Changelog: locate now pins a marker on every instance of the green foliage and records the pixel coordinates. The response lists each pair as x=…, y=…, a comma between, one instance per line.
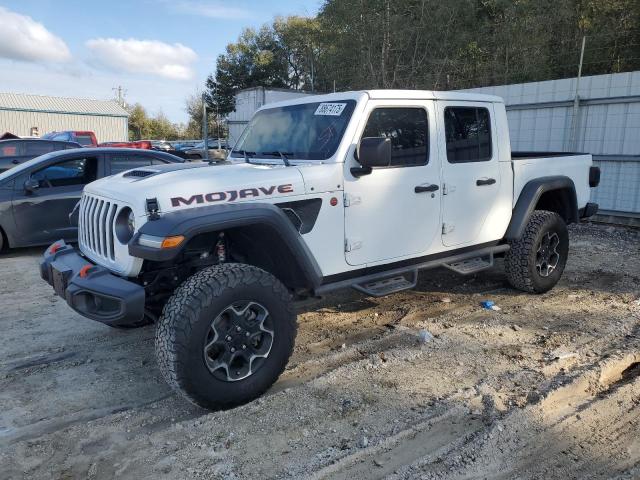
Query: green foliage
x=280, y=55
x=158, y=127
x=430, y=44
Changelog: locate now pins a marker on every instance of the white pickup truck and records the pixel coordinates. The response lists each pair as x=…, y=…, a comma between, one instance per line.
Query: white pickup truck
x=353, y=189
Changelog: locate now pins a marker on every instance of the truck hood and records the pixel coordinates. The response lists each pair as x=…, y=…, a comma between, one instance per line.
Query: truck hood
x=190, y=185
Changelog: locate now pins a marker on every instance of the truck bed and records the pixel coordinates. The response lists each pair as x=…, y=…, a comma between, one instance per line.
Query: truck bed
x=532, y=165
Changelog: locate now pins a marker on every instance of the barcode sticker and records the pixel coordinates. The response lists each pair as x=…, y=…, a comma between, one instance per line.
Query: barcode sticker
x=333, y=109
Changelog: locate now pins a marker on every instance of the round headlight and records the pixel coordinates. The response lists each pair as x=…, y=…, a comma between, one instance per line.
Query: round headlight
x=125, y=225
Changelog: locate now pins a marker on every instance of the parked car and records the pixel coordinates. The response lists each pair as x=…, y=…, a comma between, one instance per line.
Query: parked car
x=185, y=145
x=217, y=151
x=37, y=196
x=161, y=145
x=14, y=152
x=85, y=138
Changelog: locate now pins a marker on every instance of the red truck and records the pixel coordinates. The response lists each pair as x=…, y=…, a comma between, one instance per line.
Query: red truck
x=143, y=144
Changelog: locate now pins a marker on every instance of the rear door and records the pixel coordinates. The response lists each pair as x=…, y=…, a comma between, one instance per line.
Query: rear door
x=394, y=211
x=470, y=169
x=42, y=216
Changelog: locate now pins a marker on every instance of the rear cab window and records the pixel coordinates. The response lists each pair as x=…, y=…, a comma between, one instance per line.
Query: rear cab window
x=468, y=134
x=408, y=130
x=84, y=140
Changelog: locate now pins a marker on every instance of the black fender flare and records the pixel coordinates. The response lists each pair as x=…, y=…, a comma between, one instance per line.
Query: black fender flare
x=528, y=200
x=215, y=218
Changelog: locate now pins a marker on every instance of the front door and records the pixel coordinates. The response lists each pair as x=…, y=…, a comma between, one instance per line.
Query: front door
x=470, y=169
x=42, y=214
x=394, y=212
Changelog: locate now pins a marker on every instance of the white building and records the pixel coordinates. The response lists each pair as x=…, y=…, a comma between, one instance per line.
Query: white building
x=28, y=115
x=250, y=100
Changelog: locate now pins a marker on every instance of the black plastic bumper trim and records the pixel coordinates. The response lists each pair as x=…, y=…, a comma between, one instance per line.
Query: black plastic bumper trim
x=99, y=295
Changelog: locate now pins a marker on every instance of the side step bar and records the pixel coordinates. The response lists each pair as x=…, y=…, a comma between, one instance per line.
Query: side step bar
x=394, y=280
x=389, y=285
x=471, y=265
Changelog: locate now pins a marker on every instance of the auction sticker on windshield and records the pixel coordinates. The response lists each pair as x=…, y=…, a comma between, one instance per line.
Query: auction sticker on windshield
x=333, y=109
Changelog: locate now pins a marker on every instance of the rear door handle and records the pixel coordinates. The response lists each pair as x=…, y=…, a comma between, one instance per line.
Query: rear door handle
x=485, y=181
x=426, y=188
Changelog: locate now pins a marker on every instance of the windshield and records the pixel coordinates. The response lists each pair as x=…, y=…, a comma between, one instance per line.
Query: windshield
x=309, y=131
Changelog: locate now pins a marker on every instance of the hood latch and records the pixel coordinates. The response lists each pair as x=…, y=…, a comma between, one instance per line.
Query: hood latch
x=152, y=208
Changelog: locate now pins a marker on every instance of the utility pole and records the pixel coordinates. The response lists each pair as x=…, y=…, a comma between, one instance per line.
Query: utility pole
x=205, y=127
x=120, y=93
x=573, y=141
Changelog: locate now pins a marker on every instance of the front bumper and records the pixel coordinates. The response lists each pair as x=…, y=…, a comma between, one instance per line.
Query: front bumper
x=90, y=289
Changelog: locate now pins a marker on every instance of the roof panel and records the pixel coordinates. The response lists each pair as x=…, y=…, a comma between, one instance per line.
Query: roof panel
x=41, y=103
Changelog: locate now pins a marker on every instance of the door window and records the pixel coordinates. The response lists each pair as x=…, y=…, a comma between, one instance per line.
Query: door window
x=39, y=147
x=408, y=130
x=468, y=134
x=122, y=163
x=77, y=171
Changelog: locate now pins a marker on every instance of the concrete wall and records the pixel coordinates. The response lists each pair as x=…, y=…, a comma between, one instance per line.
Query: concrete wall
x=608, y=126
x=106, y=128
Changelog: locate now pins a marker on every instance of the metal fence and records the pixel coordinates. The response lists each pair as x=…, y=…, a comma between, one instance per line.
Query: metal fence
x=541, y=117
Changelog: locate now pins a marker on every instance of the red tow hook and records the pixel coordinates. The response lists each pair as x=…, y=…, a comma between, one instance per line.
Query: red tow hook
x=84, y=271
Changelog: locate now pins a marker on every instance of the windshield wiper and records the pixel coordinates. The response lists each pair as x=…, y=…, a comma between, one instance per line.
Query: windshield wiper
x=245, y=154
x=282, y=155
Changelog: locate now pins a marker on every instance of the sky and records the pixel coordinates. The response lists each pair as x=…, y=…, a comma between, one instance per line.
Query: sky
x=159, y=51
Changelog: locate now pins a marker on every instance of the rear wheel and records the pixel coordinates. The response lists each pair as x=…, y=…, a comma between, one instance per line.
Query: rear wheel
x=226, y=335
x=536, y=261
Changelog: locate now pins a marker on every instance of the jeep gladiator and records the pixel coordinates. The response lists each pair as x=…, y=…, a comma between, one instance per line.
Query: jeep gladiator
x=353, y=189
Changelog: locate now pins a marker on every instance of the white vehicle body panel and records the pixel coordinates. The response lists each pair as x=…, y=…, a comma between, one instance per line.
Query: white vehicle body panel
x=385, y=215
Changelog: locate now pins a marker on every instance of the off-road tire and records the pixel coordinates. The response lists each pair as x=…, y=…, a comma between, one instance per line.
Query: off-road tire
x=186, y=320
x=520, y=260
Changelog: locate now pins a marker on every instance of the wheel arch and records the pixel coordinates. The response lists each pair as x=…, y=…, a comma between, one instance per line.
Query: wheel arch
x=261, y=232
x=556, y=194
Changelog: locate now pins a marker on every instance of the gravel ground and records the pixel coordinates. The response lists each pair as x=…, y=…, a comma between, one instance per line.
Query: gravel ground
x=547, y=387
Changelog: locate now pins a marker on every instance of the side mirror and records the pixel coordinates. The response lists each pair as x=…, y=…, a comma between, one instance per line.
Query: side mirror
x=374, y=152
x=31, y=185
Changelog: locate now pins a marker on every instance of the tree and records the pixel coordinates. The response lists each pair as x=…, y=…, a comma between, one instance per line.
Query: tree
x=280, y=55
x=158, y=127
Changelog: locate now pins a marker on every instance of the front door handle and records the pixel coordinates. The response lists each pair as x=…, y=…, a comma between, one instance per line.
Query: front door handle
x=426, y=188
x=485, y=181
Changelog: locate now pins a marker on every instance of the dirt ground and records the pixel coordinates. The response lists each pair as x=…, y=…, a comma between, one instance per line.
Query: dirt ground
x=547, y=387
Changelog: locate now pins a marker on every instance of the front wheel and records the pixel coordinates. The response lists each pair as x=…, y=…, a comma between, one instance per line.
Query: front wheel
x=536, y=261
x=225, y=336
